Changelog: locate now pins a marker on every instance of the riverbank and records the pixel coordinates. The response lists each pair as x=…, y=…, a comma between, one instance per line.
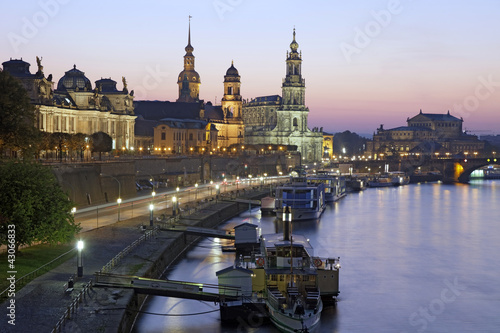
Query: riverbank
x=41, y=303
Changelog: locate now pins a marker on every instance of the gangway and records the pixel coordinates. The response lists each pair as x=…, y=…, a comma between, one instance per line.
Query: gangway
x=170, y=288
x=199, y=231
x=248, y=201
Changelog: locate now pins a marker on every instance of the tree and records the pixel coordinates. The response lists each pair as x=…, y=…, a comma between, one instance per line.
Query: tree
x=101, y=143
x=17, y=117
x=32, y=200
x=348, y=143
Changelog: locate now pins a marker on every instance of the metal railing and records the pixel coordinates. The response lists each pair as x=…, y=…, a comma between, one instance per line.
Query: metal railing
x=72, y=308
x=40, y=270
x=116, y=259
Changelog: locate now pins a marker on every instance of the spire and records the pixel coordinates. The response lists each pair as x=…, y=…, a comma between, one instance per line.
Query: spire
x=189, y=49
x=189, y=31
x=294, y=45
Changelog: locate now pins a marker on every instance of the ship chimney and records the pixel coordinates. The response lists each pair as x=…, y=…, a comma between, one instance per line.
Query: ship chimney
x=287, y=220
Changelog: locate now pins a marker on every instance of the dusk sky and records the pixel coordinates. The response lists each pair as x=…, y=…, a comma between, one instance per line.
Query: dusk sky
x=365, y=63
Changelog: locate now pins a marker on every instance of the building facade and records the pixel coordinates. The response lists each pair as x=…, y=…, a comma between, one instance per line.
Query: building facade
x=75, y=107
x=174, y=136
x=226, y=119
x=283, y=120
x=426, y=133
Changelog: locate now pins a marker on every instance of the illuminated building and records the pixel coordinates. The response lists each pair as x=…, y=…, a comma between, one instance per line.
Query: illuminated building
x=282, y=120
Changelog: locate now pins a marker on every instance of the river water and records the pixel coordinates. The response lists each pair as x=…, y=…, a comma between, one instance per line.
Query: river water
x=416, y=258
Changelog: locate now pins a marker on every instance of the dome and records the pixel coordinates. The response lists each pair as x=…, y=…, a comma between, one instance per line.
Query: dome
x=232, y=71
x=192, y=76
x=74, y=79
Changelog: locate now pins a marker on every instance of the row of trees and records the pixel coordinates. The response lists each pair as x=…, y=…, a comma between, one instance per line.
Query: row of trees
x=73, y=144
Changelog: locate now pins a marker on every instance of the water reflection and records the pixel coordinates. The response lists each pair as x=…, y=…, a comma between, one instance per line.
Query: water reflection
x=418, y=258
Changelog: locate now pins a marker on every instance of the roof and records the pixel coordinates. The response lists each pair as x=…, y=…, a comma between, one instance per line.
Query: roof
x=156, y=110
x=266, y=99
x=232, y=268
x=213, y=112
x=410, y=128
x=183, y=123
x=246, y=224
x=73, y=79
x=106, y=85
x=17, y=67
x=144, y=127
x=437, y=116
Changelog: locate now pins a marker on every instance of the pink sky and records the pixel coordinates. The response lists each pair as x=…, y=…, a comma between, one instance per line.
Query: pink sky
x=365, y=63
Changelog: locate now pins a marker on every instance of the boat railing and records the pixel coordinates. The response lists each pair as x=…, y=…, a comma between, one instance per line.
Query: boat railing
x=326, y=263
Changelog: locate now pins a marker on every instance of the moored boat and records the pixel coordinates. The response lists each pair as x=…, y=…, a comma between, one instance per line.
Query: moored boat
x=305, y=198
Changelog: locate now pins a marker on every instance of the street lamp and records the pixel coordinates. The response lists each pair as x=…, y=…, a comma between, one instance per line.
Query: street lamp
x=196, y=191
x=174, y=205
x=151, y=207
x=79, y=259
x=73, y=211
x=119, y=201
x=217, y=192
x=211, y=183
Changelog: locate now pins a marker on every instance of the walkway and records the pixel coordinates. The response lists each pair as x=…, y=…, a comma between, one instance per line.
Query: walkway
x=42, y=302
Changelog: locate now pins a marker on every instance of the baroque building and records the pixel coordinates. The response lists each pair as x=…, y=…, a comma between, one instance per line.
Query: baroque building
x=156, y=118
x=425, y=133
x=282, y=120
x=75, y=107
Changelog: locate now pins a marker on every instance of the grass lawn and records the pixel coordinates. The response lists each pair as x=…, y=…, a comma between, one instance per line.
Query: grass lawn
x=29, y=259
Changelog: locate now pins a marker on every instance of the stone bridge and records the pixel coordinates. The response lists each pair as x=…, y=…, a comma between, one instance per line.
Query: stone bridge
x=453, y=169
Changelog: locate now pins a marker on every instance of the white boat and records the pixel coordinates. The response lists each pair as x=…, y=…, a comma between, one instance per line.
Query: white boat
x=305, y=198
x=335, y=186
x=285, y=277
x=399, y=178
x=293, y=281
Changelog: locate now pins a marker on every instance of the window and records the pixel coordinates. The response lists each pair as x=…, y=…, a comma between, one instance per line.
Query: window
x=295, y=122
x=163, y=135
x=190, y=136
x=229, y=90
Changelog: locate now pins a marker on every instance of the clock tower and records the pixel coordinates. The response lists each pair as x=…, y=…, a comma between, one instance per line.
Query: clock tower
x=189, y=80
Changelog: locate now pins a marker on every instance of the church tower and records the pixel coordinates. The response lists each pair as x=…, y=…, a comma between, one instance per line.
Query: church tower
x=232, y=102
x=189, y=79
x=294, y=86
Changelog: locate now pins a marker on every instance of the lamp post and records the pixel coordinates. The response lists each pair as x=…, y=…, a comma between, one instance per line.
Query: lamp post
x=73, y=211
x=211, y=183
x=79, y=259
x=174, y=205
x=119, y=200
x=151, y=207
x=195, y=191
x=217, y=192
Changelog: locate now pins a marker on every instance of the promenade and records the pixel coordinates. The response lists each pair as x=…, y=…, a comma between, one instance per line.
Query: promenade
x=42, y=303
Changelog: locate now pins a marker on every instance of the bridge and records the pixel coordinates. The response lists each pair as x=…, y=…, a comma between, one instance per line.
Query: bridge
x=453, y=169
x=170, y=288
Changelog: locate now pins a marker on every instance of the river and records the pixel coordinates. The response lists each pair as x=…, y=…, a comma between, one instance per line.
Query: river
x=416, y=258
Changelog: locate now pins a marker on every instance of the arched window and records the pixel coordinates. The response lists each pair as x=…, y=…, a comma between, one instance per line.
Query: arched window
x=229, y=90
x=295, y=122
